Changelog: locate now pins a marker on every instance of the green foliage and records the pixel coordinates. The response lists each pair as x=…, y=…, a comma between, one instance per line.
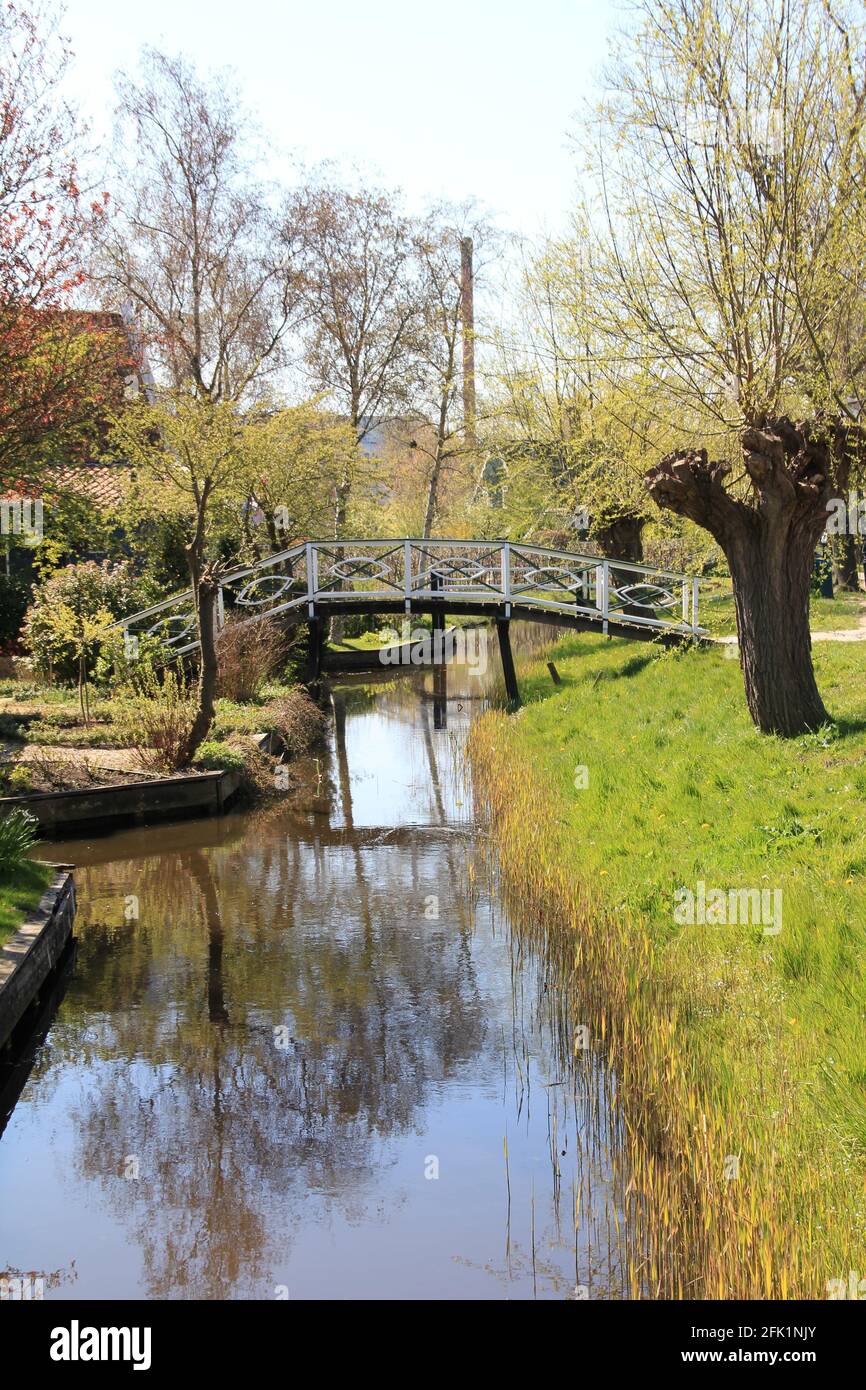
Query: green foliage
x=681, y=789
x=14, y=597
x=73, y=525
x=74, y=606
x=18, y=833
x=214, y=756
x=155, y=717
x=16, y=780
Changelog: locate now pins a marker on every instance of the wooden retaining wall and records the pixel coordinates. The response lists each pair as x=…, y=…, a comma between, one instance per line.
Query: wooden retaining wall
x=135, y=803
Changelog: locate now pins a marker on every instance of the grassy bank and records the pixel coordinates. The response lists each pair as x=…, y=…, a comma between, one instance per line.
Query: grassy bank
x=716, y=609
x=727, y=1043
x=20, y=891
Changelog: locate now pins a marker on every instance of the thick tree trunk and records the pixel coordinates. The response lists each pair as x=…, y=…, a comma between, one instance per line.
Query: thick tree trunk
x=622, y=539
x=769, y=539
x=771, y=577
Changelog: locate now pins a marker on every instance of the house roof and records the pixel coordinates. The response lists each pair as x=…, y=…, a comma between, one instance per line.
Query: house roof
x=104, y=484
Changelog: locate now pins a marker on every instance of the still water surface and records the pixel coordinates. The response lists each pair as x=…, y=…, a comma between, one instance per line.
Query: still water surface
x=302, y=1053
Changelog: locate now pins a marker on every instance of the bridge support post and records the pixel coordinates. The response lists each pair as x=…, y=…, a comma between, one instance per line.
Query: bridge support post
x=512, y=690
x=438, y=621
x=315, y=647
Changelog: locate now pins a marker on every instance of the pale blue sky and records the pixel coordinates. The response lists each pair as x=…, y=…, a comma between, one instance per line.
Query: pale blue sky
x=444, y=99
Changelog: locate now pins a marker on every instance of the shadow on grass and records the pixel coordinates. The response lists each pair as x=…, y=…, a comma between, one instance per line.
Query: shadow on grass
x=631, y=667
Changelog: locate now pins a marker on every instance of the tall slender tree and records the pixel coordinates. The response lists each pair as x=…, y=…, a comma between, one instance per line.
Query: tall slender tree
x=354, y=252
x=194, y=248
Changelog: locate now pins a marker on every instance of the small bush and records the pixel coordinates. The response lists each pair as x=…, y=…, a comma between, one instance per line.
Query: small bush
x=155, y=718
x=214, y=756
x=19, y=780
x=88, y=590
x=14, y=597
x=248, y=654
x=18, y=831
x=297, y=719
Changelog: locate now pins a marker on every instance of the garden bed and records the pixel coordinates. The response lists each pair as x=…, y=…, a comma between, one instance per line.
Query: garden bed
x=106, y=806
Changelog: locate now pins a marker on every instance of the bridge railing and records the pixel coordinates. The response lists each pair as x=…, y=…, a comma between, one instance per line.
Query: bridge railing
x=502, y=574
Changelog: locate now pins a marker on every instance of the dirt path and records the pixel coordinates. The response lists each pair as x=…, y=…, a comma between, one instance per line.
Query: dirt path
x=842, y=634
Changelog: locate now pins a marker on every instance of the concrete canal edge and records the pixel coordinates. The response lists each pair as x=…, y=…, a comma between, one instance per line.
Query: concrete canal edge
x=28, y=957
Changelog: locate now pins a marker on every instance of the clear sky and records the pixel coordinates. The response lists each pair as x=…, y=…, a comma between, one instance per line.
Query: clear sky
x=443, y=99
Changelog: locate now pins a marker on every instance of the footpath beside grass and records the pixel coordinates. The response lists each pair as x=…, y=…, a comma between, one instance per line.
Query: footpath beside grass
x=20, y=891
x=727, y=1043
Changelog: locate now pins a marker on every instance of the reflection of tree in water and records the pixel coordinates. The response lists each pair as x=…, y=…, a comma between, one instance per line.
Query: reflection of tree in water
x=380, y=1006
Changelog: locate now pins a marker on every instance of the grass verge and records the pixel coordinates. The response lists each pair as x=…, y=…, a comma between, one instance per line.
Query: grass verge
x=20, y=891
x=716, y=609
x=726, y=1043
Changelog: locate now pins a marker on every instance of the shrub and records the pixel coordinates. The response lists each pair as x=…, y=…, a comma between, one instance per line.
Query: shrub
x=297, y=719
x=87, y=590
x=14, y=597
x=18, y=831
x=155, y=717
x=215, y=756
x=17, y=780
x=248, y=655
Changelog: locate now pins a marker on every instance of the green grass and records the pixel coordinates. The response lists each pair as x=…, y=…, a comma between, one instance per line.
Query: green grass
x=20, y=891
x=51, y=718
x=716, y=609
x=681, y=788
x=367, y=642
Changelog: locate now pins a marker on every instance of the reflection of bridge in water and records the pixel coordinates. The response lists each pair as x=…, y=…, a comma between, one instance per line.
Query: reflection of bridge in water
x=500, y=580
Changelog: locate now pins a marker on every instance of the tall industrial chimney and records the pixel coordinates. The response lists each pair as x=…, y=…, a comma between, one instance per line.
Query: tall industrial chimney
x=467, y=303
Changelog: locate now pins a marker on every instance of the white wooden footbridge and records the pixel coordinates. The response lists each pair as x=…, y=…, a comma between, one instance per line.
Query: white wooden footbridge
x=502, y=580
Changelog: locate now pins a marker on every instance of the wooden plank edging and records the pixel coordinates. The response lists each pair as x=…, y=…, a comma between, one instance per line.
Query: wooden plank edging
x=202, y=792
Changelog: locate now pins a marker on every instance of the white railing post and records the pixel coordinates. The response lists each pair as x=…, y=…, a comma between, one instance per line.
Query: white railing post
x=407, y=574
x=694, y=606
x=506, y=577
x=221, y=610
x=602, y=584
x=312, y=583
x=687, y=600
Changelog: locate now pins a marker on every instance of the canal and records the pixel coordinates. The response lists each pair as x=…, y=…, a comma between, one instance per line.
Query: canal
x=302, y=1052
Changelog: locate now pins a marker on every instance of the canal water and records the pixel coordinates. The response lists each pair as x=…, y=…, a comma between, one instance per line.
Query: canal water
x=302, y=1053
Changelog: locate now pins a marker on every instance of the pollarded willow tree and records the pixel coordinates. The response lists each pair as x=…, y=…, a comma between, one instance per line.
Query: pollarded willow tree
x=730, y=173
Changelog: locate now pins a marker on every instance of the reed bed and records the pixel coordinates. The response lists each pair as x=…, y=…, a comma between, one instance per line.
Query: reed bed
x=739, y=1059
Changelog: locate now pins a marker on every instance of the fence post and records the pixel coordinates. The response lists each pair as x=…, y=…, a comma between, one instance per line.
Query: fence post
x=506, y=577
x=602, y=583
x=311, y=579
x=407, y=574
x=694, y=606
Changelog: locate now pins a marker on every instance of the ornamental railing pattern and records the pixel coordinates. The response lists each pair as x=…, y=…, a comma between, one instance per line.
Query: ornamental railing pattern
x=316, y=575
